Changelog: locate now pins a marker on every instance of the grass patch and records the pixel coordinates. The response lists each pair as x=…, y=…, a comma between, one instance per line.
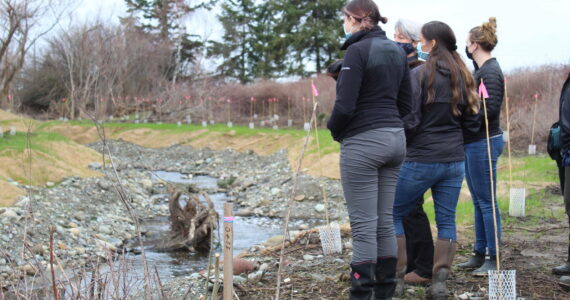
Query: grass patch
x=18, y=142
x=328, y=145
x=529, y=169
x=540, y=203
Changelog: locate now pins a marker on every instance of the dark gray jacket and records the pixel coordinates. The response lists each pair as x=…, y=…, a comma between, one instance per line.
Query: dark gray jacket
x=438, y=135
x=373, y=87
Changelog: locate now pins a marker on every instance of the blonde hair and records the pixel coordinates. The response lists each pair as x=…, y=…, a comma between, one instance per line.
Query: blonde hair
x=485, y=35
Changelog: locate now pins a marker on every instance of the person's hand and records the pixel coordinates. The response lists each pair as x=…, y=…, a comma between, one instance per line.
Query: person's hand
x=334, y=69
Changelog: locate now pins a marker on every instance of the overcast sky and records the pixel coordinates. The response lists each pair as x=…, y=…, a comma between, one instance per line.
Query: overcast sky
x=530, y=32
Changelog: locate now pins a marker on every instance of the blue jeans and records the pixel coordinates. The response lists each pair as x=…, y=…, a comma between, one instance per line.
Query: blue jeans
x=444, y=180
x=479, y=182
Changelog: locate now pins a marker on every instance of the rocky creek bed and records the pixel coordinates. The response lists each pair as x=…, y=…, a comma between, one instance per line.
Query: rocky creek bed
x=90, y=220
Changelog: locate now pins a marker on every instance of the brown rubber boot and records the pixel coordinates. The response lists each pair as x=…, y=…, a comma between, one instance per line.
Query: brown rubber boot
x=442, y=260
x=401, y=265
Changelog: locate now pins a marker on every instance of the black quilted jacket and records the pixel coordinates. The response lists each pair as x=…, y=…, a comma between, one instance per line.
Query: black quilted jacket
x=565, y=116
x=492, y=76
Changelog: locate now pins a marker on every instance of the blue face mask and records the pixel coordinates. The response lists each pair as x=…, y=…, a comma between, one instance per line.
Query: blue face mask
x=422, y=55
x=347, y=34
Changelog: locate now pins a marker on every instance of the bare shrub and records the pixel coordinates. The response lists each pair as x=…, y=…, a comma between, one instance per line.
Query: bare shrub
x=523, y=84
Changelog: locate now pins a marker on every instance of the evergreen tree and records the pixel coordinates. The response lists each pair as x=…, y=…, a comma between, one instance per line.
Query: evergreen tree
x=162, y=18
x=237, y=48
x=278, y=38
x=312, y=29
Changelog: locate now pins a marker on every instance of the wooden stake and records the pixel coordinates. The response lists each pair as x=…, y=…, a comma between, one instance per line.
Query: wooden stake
x=251, y=109
x=509, y=131
x=228, y=250
x=289, y=108
x=492, y=183
x=217, y=277
x=291, y=201
x=534, y=119
x=315, y=104
x=304, y=110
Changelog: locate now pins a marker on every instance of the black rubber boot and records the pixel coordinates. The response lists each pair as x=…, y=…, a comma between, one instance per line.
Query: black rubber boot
x=475, y=261
x=562, y=269
x=362, y=279
x=490, y=264
x=385, y=278
x=401, y=266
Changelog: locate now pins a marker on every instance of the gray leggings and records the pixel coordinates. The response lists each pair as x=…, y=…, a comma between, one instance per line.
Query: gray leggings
x=369, y=168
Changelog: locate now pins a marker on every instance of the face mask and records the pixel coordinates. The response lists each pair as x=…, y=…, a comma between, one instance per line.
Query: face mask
x=347, y=33
x=408, y=47
x=469, y=55
x=422, y=55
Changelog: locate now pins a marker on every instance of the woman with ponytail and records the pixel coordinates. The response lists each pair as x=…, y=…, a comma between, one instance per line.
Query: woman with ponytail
x=481, y=41
x=373, y=97
x=445, y=91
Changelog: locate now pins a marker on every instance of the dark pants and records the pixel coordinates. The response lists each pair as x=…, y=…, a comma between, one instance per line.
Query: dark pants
x=567, y=200
x=419, y=241
x=559, y=163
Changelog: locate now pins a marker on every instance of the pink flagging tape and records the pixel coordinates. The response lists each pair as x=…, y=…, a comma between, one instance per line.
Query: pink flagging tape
x=228, y=219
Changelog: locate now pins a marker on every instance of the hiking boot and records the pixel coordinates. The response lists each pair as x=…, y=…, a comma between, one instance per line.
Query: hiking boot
x=362, y=281
x=565, y=283
x=413, y=278
x=562, y=270
x=385, y=278
x=401, y=266
x=442, y=260
x=475, y=261
x=490, y=264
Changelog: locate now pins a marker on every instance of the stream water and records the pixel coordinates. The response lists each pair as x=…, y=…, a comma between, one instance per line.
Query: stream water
x=248, y=231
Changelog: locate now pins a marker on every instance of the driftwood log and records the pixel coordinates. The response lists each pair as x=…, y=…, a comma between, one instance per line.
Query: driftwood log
x=191, y=225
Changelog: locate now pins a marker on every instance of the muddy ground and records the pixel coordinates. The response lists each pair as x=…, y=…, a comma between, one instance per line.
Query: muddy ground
x=530, y=247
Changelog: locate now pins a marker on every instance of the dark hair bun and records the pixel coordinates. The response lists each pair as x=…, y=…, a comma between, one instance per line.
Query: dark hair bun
x=384, y=20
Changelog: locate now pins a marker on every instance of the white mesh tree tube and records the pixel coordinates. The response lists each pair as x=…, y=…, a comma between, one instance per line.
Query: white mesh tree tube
x=502, y=285
x=517, y=202
x=330, y=238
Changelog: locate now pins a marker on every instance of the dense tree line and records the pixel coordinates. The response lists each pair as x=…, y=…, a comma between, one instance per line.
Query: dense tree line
x=277, y=38
x=150, y=49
